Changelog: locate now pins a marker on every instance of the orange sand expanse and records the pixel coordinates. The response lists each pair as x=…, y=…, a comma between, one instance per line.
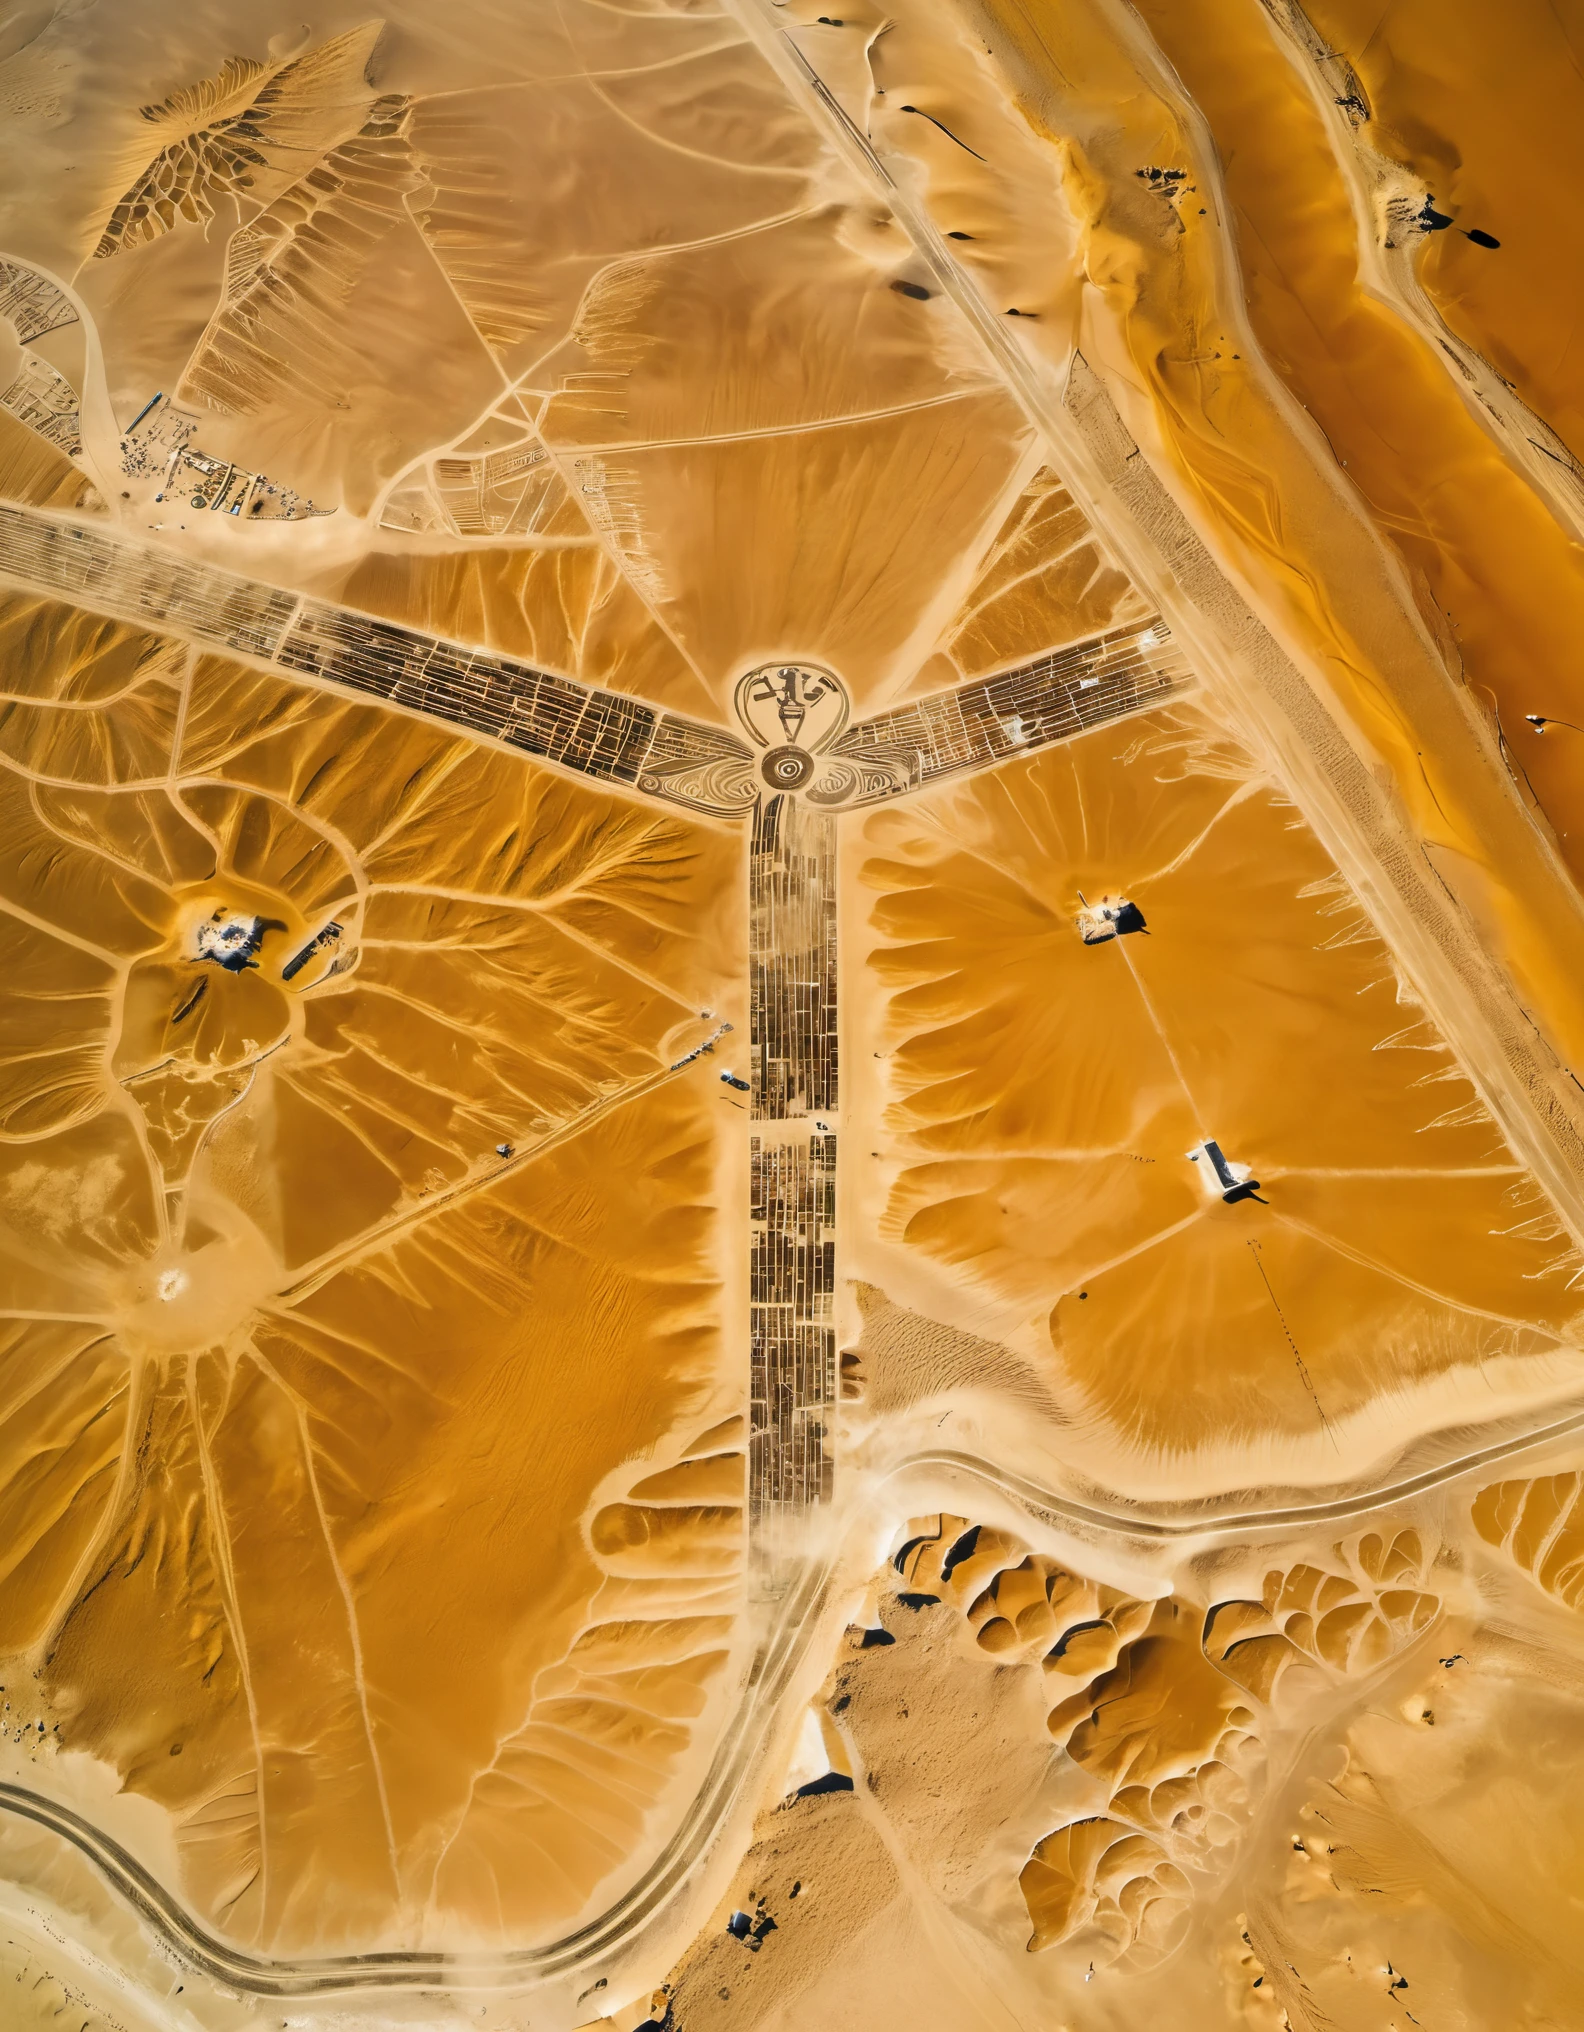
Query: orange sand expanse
x=1490, y=555
x=274, y=1259
x=1162, y=307
x=1485, y=108
x=1401, y=1244
x=392, y=1562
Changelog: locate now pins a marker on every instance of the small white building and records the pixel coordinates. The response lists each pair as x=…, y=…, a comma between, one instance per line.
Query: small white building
x=1219, y=1177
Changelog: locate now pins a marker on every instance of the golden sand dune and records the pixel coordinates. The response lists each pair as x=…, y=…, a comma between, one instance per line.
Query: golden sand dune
x=234, y=1193
x=36, y=471
x=1120, y=1859
x=567, y=605
x=303, y=257
x=1191, y=1868
x=1413, y=1881
x=1046, y=576
x=1486, y=549
x=238, y=130
x=1158, y=1714
x=1076, y=1206
x=609, y=1725
x=523, y=269
x=1534, y=1522
x=830, y=385
x=1486, y=116
x=1164, y=308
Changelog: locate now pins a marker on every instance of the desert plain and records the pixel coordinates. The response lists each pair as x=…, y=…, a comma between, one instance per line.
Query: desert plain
x=792, y=1060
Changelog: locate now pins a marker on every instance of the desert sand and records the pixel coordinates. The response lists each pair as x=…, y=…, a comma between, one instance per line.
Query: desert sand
x=791, y=1132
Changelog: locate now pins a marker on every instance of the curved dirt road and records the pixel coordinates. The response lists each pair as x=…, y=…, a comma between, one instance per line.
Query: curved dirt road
x=772, y=1668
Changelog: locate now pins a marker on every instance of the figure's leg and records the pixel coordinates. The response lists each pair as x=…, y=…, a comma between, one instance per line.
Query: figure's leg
x=792, y=905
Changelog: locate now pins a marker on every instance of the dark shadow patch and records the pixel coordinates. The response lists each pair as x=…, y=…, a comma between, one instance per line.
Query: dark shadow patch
x=832, y=1781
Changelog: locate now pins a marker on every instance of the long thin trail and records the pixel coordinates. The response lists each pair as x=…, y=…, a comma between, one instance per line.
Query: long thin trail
x=218, y=1532
x=1160, y=1032
x=1308, y=1381
x=344, y=1587
x=318, y=1273
x=770, y=1673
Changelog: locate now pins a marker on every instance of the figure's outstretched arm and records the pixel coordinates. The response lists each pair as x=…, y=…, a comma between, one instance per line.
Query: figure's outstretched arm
x=617, y=740
x=996, y=719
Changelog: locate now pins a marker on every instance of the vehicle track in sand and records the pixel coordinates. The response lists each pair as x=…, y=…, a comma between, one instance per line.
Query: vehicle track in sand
x=773, y=1668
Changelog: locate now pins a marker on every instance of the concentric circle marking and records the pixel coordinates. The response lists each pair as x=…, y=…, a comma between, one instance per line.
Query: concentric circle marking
x=787, y=768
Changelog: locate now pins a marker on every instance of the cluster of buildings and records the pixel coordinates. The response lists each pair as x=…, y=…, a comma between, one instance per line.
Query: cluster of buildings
x=39, y=395
x=157, y=445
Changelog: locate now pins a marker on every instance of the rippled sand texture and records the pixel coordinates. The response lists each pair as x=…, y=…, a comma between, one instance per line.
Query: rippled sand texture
x=1481, y=541
x=375, y=1346
x=1428, y=578
x=309, y=1390
x=1313, y=1783
x=412, y=1651
x=573, y=307
x=1031, y=1102
x=362, y=1519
